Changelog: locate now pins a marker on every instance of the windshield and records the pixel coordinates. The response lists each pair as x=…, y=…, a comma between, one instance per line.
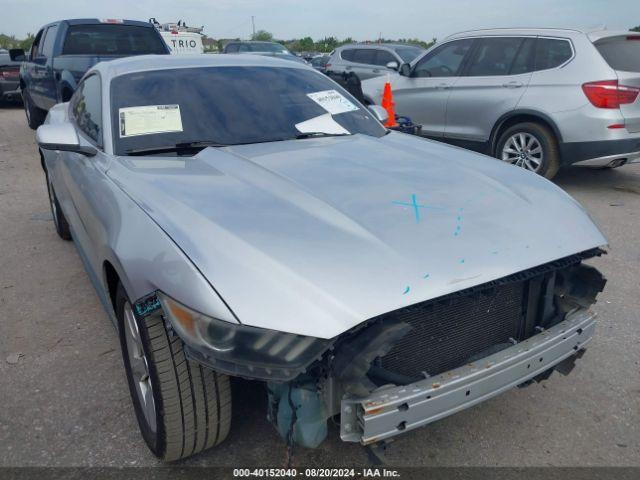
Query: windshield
x=231, y=106
x=109, y=39
x=621, y=53
x=263, y=47
x=407, y=54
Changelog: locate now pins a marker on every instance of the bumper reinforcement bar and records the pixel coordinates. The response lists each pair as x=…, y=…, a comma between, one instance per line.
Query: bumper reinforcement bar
x=390, y=411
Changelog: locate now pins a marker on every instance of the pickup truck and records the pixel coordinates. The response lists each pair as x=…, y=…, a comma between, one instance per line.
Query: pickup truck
x=64, y=50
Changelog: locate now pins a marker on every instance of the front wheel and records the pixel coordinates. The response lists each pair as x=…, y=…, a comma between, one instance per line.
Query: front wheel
x=531, y=146
x=182, y=408
x=35, y=116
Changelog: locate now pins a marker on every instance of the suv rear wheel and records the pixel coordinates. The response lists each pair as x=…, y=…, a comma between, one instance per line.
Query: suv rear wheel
x=182, y=408
x=35, y=116
x=532, y=146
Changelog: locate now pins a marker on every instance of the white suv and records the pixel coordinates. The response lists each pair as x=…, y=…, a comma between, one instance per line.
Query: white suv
x=538, y=98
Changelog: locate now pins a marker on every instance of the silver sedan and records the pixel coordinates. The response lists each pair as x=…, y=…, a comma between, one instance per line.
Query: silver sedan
x=245, y=216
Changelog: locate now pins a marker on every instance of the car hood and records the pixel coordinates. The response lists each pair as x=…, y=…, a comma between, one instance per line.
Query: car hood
x=315, y=236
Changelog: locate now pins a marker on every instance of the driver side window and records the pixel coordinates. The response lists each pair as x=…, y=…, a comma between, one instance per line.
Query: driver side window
x=444, y=61
x=86, y=108
x=35, y=47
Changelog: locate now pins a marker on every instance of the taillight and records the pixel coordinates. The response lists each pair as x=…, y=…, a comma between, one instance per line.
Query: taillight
x=608, y=94
x=12, y=74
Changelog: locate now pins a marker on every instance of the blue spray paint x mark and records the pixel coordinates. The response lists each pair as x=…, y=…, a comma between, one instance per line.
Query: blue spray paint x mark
x=406, y=290
x=456, y=232
x=426, y=275
x=416, y=206
x=462, y=260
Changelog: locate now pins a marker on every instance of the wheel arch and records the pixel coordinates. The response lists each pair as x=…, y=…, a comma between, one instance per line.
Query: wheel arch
x=111, y=280
x=66, y=92
x=521, y=116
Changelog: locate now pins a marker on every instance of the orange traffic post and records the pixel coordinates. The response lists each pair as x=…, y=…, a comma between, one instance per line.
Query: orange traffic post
x=388, y=104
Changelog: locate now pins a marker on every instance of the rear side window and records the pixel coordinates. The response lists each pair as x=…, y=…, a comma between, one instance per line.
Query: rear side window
x=86, y=108
x=233, y=48
x=494, y=56
x=621, y=53
x=523, y=62
x=551, y=53
x=347, y=54
x=109, y=39
x=365, y=55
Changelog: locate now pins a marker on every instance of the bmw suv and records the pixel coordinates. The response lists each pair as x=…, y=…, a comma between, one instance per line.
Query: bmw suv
x=537, y=98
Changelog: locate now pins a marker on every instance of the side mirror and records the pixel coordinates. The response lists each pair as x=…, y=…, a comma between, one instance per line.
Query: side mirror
x=379, y=112
x=17, y=55
x=405, y=70
x=392, y=65
x=62, y=137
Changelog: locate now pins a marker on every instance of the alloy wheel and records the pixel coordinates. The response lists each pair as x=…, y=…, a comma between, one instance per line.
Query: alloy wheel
x=523, y=150
x=139, y=367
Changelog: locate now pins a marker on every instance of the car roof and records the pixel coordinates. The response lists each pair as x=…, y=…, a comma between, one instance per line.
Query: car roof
x=378, y=45
x=97, y=21
x=144, y=63
x=552, y=32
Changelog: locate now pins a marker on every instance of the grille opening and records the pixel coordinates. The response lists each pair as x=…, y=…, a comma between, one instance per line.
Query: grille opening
x=465, y=326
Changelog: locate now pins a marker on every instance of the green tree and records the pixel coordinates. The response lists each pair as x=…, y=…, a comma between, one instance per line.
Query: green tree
x=262, y=35
x=26, y=43
x=306, y=44
x=636, y=29
x=327, y=44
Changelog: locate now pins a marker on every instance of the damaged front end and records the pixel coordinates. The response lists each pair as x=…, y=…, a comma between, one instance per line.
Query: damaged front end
x=415, y=365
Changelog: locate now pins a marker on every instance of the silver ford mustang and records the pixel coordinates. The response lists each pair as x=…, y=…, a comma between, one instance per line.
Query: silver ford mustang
x=245, y=216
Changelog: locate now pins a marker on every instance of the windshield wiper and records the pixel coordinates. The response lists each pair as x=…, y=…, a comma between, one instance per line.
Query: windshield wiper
x=178, y=147
x=320, y=134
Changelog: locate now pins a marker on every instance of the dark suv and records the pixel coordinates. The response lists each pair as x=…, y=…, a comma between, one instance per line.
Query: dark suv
x=63, y=51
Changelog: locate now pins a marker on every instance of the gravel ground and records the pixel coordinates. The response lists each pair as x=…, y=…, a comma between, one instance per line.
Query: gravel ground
x=65, y=401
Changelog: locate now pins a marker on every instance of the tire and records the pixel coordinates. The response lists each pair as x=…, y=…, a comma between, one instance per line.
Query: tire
x=35, y=116
x=59, y=220
x=188, y=407
x=546, y=162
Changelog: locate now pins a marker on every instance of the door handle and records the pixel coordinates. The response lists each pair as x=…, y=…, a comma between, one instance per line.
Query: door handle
x=376, y=70
x=348, y=68
x=513, y=84
x=443, y=86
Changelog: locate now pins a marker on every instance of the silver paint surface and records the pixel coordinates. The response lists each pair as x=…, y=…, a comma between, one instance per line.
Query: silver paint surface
x=309, y=236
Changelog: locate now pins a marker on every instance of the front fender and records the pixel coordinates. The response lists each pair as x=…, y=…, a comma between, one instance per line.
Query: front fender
x=147, y=259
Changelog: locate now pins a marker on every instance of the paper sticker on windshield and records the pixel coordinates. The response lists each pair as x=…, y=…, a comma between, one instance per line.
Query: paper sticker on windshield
x=332, y=101
x=149, y=119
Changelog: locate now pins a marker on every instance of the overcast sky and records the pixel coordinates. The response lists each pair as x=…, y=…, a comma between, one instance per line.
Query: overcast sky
x=342, y=18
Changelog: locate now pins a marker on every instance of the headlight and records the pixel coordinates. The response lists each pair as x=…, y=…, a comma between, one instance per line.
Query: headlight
x=239, y=349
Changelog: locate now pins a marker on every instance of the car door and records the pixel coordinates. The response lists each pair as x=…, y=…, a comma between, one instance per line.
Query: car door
x=423, y=95
x=83, y=175
x=491, y=84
